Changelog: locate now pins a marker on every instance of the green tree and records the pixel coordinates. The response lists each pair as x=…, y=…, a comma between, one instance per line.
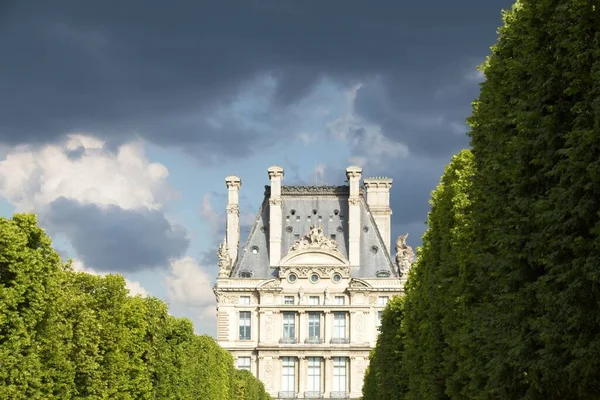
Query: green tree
x=29, y=271
x=536, y=200
x=436, y=301
x=385, y=378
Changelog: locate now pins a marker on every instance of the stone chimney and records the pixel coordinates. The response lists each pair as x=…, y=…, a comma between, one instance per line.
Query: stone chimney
x=353, y=174
x=232, y=237
x=275, y=215
x=378, y=199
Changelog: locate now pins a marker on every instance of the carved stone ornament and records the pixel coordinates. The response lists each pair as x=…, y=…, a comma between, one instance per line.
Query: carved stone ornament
x=305, y=272
x=358, y=285
x=271, y=285
x=226, y=298
x=224, y=260
x=404, y=255
x=315, y=239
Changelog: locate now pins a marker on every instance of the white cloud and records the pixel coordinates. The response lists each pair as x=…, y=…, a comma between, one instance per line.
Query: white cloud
x=209, y=214
x=189, y=289
x=134, y=287
x=367, y=140
x=81, y=169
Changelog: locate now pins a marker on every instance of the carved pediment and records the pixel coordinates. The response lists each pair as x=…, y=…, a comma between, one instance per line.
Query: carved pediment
x=272, y=284
x=314, y=248
x=359, y=284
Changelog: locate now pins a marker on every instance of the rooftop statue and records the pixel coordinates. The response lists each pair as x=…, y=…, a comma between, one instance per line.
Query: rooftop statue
x=315, y=239
x=404, y=255
x=224, y=259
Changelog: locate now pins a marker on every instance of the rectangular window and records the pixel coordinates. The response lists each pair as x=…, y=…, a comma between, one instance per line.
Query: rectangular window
x=339, y=300
x=379, y=317
x=382, y=300
x=314, y=374
x=243, y=363
x=339, y=325
x=332, y=236
x=314, y=325
x=313, y=300
x=339, y=374
x=289, y=325
x=244, y=324
x=245, y=300
x=288, y=300
x=288, y=374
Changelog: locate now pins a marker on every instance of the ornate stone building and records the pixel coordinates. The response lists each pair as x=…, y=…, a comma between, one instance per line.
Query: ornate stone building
x=300, y=305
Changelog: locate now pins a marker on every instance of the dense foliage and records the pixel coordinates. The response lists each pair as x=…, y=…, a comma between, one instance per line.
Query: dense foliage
x=504, y=301
x=68, y=335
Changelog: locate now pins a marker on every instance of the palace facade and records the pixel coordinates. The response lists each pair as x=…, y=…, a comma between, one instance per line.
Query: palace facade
x=299, y=306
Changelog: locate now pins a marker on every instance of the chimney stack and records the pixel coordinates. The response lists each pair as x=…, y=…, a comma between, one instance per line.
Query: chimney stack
x=233, y=216
x=275, y=215
x=353, y=174
x=378, y=199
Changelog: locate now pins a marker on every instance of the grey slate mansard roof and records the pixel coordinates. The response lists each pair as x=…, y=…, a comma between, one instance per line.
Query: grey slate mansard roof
x=302, y=207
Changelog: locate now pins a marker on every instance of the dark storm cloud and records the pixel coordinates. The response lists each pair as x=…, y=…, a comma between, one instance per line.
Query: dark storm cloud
x=115, y=239
x=160, y=69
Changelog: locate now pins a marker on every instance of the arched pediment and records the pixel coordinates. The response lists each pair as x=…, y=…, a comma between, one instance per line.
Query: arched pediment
x=316, y=257
x=316, y=249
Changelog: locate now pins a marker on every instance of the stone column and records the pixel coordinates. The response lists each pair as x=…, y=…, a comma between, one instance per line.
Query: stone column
x=233, y=216
x=327, y=375
x=354, y=224
x=302, y=371
x=302, y=326
x=328, y=334
x=275, y=215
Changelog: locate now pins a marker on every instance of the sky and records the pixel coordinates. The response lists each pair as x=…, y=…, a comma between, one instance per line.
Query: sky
x=119, y=121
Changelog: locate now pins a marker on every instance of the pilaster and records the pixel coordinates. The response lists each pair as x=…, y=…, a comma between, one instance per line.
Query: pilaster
x=275, y=215
x=353, y=175
x=233, y=216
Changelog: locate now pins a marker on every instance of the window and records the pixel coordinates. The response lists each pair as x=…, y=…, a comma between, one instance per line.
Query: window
x=336, y=278
x=339, y=325
x=339, y=374
x=314, y=325
x=245, y=300
x=379, y=317
x=382, y=300
x=339, y=300
x=314, y=278
x=244, y=325
x=288, y=299
x=292, y=278
x=314, y=374
x=313, y=300
x=243, y=363
x=289, y=325
x=288, y=374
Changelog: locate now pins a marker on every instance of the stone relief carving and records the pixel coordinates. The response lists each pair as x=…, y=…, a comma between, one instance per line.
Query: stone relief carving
x=315, y=239
x=274, y=284
x=224, y=260
x=225, y=298
x=269, y=323
x=305, y=272
x=372, y=300
x=300, y=295
x=360, y=371
x=311, y=190
x=354, y=284
x=404, y=255
x=268, y=378
x=360, y=320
